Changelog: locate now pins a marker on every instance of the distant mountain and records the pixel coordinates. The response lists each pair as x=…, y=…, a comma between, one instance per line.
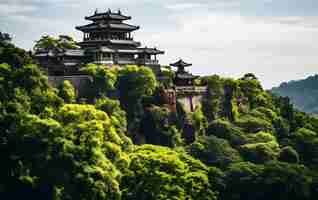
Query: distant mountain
x=303, y=93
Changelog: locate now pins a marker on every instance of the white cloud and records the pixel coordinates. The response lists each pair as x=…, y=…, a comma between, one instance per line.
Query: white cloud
x=10, y=9
x=201, y=4
x=183, y=6
x=234, y=45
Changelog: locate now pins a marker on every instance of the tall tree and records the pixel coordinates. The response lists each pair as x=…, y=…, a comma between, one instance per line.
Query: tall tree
x=161, y=173
x=67, y=92
x=134, y=83
x=47, y=42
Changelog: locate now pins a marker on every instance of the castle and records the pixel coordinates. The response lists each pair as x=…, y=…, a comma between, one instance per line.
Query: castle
x=108, y=40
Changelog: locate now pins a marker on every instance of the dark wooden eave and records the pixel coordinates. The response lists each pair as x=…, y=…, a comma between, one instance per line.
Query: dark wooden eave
x=152, y=51
x=109, y=42
x=110, y=26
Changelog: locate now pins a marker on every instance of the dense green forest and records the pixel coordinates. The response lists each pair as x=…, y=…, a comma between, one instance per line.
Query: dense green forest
x=123, y=142
x=303, y=93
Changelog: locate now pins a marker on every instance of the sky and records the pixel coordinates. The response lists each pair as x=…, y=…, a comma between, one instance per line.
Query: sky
x=277, y=40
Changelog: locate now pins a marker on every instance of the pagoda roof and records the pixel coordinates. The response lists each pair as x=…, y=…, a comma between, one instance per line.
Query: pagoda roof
x=109, y=15
x=95, y=26
x=180, y=63
x=150, y=51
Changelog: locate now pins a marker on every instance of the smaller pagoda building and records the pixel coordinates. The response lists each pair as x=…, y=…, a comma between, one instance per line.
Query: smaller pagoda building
x=183, y=78
x=187, y=92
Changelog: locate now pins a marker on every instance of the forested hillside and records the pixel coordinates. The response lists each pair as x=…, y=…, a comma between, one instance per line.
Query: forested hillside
x=123, y=142
x=303, y=93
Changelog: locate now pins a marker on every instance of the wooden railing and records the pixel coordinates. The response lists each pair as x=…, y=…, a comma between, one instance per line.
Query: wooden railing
x=191, y=89
x=147, y=61
x=104, y=61
x=126, y=61
x=103, y=39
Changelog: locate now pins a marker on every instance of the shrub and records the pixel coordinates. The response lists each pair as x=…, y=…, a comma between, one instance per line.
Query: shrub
x=224, y=129
x=214, y=151
x=260, y=152
x=161, y=173
x=252, y=124
x=288, y=154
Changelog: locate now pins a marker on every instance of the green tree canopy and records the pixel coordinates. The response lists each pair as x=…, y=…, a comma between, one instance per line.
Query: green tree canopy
x=13, y=55
x=288, y=154
x=77, y=154
x=30, y=85
x=271, y=181
x=104, y=79
x=113, y=109
x=158, y=128
x=306, y=143
x=134, y=83
x=214, y=151
x=47, y=42
x=161, y=173
x=67, y=92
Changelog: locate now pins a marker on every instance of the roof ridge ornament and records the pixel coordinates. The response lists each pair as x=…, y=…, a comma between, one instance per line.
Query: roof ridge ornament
x=109, y=11
x=96, y=11
x=119, y=11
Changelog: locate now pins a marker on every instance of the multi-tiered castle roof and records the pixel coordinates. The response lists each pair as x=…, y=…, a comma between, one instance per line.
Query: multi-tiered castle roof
x=109, y=40
x=108, y=28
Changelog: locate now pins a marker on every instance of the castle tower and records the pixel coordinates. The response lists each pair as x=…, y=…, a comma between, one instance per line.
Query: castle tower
x=183, y=78
x=108, y=40
x=187, y=93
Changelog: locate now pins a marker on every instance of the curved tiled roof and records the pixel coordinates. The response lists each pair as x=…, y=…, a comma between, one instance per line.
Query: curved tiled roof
x=109, y=15
x=150, y=50
x=180, y=63
x=94, y=26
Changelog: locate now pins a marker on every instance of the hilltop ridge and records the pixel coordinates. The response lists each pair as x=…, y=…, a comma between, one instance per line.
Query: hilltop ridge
x=302, y=93
x=124, y=140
